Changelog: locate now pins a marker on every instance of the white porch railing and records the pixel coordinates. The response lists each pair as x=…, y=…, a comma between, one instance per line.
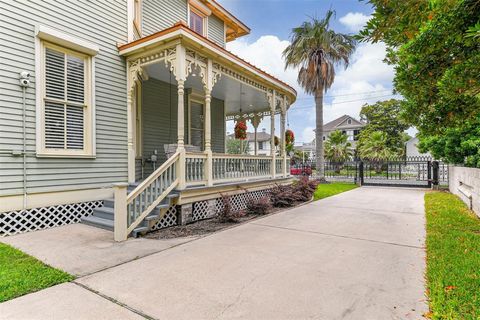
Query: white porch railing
x=195, y=168
x=229, y=168
x=240, y=167
x=131, y=209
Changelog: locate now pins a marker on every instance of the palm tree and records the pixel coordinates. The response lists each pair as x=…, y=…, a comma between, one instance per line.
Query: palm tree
x=338, y=149
x=317, y=49
x=375, y=149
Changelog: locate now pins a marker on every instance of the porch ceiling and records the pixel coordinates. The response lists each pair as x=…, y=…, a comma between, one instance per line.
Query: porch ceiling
x=238, y=97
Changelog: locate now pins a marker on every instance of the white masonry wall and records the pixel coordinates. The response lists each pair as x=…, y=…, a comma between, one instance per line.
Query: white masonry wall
x=465, y=183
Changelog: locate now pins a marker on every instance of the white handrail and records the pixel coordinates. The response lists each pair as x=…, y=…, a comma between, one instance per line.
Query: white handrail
x=151, y=192
x=141, y=187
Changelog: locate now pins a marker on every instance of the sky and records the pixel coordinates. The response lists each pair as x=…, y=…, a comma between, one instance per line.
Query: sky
x=367, y=79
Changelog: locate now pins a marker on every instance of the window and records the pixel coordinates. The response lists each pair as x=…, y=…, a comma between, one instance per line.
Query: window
x=355, y=134
x=196, y=22
x=137, y=19
x=66, y=113
x=260, y=145
x=349, y=121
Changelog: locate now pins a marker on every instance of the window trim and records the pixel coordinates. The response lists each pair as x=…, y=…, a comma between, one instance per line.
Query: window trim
x=204, y=20
x=137, y=19
x=61, y=44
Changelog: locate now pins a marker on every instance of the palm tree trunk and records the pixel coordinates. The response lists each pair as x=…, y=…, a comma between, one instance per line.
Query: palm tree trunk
x=319, y=134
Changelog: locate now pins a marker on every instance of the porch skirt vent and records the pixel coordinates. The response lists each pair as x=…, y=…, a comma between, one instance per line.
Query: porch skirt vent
x=21, y=221
x=168, y=220
x=239, y=201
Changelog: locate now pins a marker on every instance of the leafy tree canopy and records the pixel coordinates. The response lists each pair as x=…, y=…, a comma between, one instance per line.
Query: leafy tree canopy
x=237, y=146
x=435, y=47
x=384, y=116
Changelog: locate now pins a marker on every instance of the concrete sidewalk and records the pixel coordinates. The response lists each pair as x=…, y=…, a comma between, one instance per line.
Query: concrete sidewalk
x=357, y=255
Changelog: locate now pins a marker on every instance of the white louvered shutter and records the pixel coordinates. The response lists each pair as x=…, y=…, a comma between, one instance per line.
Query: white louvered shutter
x=64, y=101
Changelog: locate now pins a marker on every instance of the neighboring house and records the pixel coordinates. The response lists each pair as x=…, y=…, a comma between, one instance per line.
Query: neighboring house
x=308, y=148
x=346, y=124
x=411, y=149
x=123, y=104
x=259, y=145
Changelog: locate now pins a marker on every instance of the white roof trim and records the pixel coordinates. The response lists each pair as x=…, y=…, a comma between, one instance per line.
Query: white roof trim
x=66, y=40
x=212, y=48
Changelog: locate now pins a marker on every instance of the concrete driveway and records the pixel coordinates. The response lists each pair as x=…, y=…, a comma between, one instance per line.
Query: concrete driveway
x=357, y=255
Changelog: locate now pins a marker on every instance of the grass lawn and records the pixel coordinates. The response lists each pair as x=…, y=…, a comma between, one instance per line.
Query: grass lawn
x=21, y=274
x=331, y=189
x=453, y=258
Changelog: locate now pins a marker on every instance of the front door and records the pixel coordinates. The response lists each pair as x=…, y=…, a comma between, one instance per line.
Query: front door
x=197, y=119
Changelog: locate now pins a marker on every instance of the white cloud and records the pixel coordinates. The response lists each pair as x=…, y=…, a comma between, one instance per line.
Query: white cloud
x=354, y=21
x=367, y=80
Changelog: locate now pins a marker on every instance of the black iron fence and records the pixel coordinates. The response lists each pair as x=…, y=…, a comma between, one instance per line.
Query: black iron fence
x=408, y=171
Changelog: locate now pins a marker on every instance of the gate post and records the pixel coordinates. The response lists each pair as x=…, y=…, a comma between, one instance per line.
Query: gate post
x=360, y=173
x=435, y=167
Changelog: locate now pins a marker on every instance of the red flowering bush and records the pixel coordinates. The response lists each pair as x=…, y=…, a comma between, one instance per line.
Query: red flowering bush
x=241, y=130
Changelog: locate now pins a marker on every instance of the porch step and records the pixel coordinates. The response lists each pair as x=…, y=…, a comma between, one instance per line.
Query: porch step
x=139, y=230
x=104, y=213
x=98, y=222
x=103, y=217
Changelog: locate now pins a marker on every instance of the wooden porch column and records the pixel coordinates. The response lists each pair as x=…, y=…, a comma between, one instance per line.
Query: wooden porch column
x=181, y=76
x=255, y=122
x=282, y=130
x=130, y=146
x=272, y=101
x=208, y=137
x=208, y=86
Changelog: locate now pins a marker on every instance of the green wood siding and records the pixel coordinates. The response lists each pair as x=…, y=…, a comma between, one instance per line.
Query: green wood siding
x=218, y=125
x=159, y=114
x=100, y=22
x=216, y=31
x=162, y=14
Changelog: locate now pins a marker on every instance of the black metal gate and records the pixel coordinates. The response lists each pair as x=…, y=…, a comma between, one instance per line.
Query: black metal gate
x=421, y=172
x=409, y=172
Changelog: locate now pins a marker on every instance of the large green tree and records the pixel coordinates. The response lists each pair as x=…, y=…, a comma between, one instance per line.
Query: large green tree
x=384, y=116
x=435, y=47
x=316, y=49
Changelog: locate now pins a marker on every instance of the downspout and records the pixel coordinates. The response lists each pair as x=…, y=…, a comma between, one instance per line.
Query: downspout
x=24, y=151
x=24, y=83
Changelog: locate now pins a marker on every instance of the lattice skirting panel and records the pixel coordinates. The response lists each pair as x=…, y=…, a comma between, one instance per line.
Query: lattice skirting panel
x=14, y=222
x=168, y=220
x=200, y=210
x=239, y=201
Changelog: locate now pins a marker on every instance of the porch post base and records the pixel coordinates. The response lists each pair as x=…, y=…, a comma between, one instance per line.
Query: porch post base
x=185, y=215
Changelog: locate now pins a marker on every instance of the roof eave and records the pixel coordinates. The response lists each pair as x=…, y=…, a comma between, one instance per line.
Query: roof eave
x=181, y=31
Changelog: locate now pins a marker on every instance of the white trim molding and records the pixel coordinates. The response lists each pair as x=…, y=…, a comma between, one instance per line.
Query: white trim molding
x=66, y=40
x=47, y=37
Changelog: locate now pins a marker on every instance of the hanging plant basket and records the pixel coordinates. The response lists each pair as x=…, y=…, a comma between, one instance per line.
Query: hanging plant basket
x=276, y=141
x=289, y=137
x=241, y=130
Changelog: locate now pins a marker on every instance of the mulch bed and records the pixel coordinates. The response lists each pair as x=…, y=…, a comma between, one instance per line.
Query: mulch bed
x=207, y=226
x=197, y=228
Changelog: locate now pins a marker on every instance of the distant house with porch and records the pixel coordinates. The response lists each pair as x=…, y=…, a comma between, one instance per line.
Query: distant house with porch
x=114, y=114
x=258, y=143
x=346, y=124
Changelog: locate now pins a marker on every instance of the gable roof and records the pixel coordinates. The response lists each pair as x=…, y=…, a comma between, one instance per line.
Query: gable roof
x=342, y=123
